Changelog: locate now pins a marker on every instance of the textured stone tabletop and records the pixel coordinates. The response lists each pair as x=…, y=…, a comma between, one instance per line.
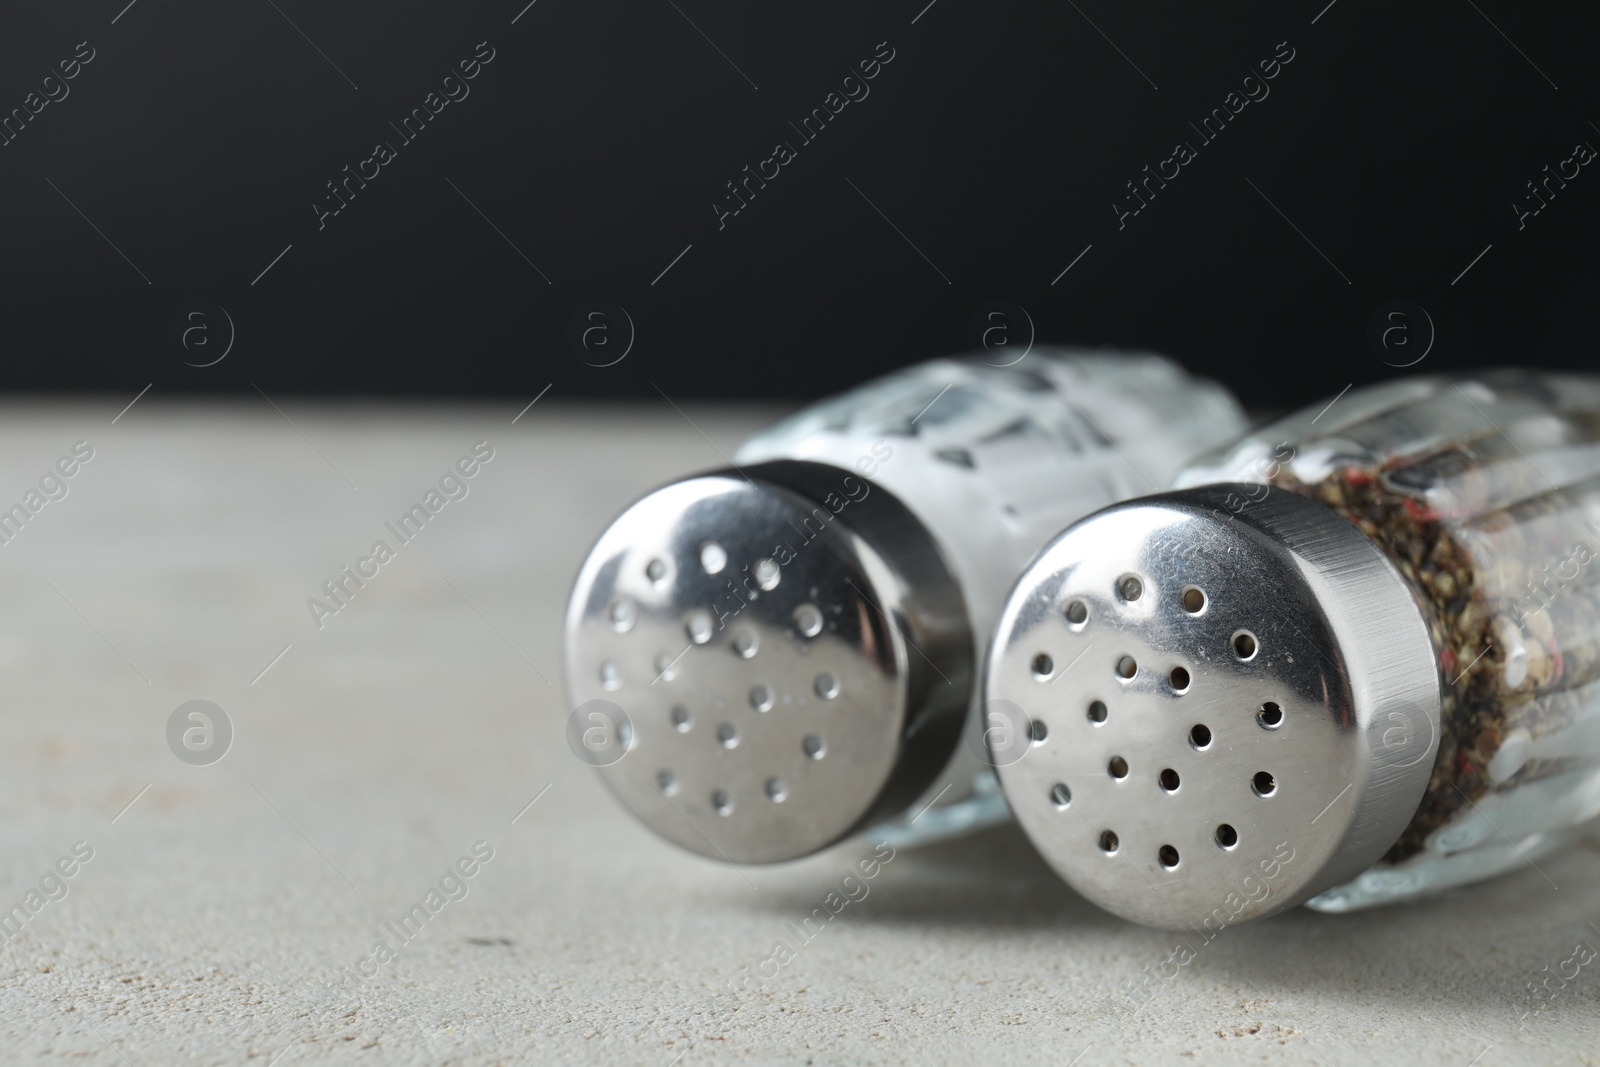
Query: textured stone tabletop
x=414, y=743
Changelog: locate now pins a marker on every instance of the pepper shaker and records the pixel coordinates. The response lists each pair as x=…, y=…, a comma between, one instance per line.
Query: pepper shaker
x=789, y=648
x=1352, y=659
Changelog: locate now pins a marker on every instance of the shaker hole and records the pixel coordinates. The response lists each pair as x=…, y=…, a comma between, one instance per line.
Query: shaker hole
x=1169, y=780
x=1126, y=667
x=1168, y=856
x=1060, y=795
x=698, y=626
x=808, y=620
x=1042, y=666
x=1108, y=842
x=1097, y=711
x=1180, y=679
x=1194, y=600
x=1227, y=836
x=1077, y=612
x=712, y=557
x=1244, y=645
x=1200, y=736
x=1271, y=715
x=1117, y=768
x=1264, y=784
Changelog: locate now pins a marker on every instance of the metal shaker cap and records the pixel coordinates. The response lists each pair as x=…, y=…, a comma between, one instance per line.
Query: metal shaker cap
x=781, y=652
x=1230, y=704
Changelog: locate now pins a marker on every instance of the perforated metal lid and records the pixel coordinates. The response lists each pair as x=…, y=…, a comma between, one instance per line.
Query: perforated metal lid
x=790, y=656
x=1232, y=699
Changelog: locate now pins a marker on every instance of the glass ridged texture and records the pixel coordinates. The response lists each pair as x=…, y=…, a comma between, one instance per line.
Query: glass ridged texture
x=995, y=461
x=1484, y=491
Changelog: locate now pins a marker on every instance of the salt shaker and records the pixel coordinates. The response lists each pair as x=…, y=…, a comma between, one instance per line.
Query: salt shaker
x=785, y=652
x=1353, y=659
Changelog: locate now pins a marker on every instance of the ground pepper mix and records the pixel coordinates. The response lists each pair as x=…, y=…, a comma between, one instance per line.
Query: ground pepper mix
x=1498, y=537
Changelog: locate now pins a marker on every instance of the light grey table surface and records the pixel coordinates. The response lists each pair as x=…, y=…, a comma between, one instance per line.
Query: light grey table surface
x=223, y=910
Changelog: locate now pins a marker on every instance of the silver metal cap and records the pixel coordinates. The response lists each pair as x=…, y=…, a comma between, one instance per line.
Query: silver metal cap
x=765, y=660
x=1229, y=704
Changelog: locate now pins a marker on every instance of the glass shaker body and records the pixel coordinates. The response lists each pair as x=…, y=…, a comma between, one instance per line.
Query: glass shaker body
x=995, y=461
x=1353, y=657
x=1483, y=491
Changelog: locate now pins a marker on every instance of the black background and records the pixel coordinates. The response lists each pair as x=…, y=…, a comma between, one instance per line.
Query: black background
x=602, y=133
